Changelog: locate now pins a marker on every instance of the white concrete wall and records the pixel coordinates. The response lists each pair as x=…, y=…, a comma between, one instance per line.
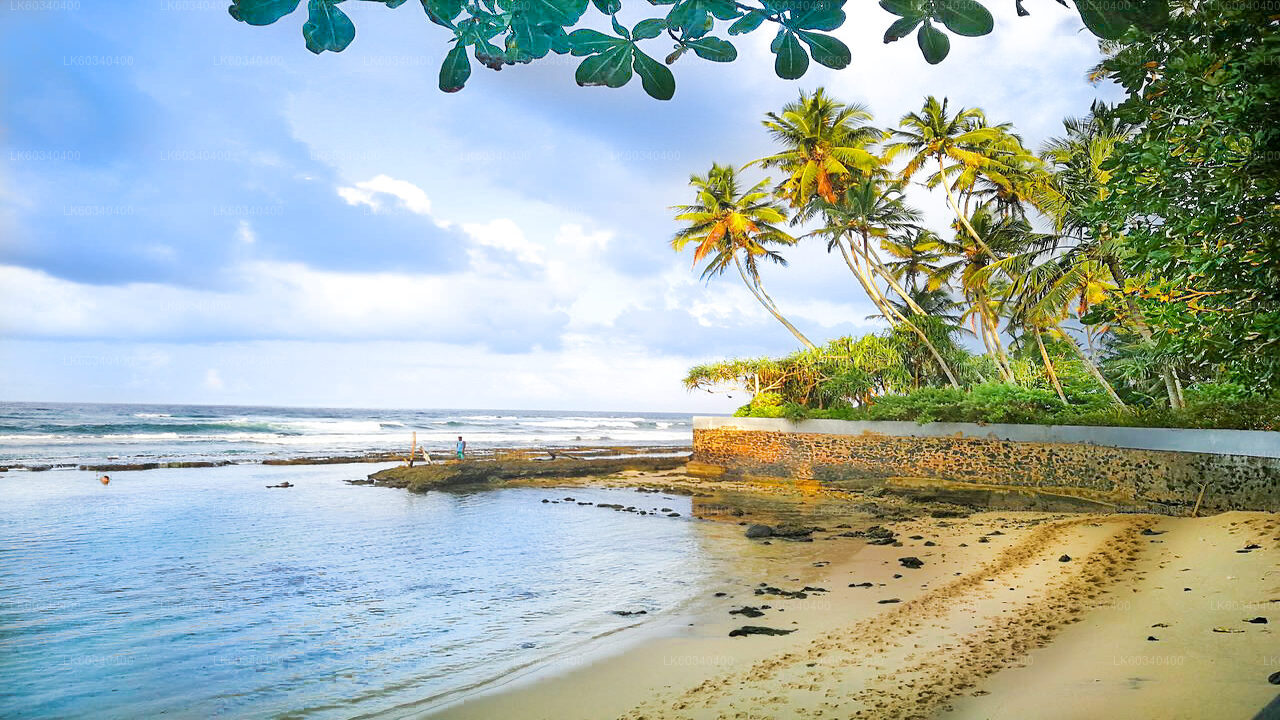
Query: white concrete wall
x=1215, y=442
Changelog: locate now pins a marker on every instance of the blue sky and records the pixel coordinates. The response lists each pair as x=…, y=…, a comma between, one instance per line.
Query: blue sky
x=195, y=210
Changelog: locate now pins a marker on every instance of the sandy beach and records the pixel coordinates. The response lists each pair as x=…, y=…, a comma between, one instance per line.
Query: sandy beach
x=1005, y=615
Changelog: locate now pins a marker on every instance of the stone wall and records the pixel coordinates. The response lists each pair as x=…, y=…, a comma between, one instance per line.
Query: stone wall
x=1112, y=466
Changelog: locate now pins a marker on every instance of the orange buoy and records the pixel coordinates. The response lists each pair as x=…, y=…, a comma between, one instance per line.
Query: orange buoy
x=104, y=479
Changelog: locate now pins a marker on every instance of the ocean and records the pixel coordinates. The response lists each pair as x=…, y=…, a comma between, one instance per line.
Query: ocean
x=44, y=434
x=199, y=592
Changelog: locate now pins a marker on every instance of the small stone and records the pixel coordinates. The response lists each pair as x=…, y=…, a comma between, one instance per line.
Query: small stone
x=759, y=531
x=1257, y=621
x=1153, y=638
x=890, y=601
x=758, y=630
x=1274, y=678
x=911, y=562
x=1065, y=558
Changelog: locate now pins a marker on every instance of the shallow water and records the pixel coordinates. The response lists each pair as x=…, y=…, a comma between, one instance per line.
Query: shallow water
x=200, y=593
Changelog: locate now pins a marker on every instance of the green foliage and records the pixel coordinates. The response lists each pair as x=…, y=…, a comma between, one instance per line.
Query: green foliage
x=1194, y=194
x=1209, y=406
x=510, y=32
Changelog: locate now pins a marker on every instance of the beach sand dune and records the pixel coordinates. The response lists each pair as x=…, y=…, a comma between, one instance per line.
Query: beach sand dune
x=1010, y=615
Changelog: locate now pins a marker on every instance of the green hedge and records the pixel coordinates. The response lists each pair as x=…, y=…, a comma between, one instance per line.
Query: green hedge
x=1210, y=406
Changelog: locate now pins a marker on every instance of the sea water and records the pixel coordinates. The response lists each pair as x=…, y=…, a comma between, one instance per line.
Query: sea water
x=61, y=434
x=201, y=593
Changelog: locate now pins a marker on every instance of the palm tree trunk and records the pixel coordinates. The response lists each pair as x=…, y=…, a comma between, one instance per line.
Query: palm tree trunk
x=767, y=302
x=1093, y=369
x=964, y=220
x=1048, y=367
x=887, y=307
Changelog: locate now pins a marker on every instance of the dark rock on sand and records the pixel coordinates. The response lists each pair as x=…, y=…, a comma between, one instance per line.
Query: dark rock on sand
x=1274, y=678
x=890, y=601
x=721, y=594
x=758, y=630
x=929, y=543
x=864, y=584
x=759, y=531
x=747, y=611
x=1257, y=621
x=629, y=613
x=912, y=562
x=794, y=531
x=1153, y=638
x=1065, y=558
x=1149, y=531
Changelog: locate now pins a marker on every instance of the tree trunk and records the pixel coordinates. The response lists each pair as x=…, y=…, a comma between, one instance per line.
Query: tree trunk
x=887, y=307
x=964, y=221
x=1093, y=369
x=768, y=305
x=1048, y=367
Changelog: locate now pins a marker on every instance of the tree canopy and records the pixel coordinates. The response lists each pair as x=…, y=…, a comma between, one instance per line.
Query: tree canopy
x=497, y=33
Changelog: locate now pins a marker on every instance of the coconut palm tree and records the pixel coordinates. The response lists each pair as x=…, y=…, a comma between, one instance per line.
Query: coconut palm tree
x=962, y=146
x=984, y=269
x=870, y=208
x=824, y=145
x=732, y=227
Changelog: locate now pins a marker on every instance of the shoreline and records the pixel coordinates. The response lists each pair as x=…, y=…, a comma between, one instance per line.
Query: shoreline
x=979, y=630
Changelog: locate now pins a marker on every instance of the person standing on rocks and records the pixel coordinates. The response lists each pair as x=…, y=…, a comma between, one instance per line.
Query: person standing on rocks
x=462, y=448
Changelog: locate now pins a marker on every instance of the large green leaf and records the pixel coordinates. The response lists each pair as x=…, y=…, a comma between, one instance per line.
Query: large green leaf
x=818, y=15
x=261, y=12
x=827, y=50
x=611, y=68
x=327, y=27
x=964, y=17
x=791, y=61
x=654, y=76
x=526, y=41
x=455, y=70
x=442, y=12
x=901, y=28
x=1105, y=18
x=651, y=28
x=904, y=8
x=589, y=42
x=714, y=49
x=561, y=12
x=747, y=23
x=933, y=43
x=608, y=7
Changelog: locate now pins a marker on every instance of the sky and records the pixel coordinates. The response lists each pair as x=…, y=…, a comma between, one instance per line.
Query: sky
x=194, y=210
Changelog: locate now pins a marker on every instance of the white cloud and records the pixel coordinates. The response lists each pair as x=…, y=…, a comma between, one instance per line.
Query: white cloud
x=371, y=192
x=507, y=238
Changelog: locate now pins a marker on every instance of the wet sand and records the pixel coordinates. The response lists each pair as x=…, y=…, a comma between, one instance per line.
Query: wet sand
x=1009, y=615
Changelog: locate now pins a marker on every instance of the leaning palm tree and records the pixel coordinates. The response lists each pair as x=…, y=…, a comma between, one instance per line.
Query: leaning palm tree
x=1046, y=294
x=824, y=145
x=962, y=146
x=1006, y=243
x=731, y=227
x=871, y=209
